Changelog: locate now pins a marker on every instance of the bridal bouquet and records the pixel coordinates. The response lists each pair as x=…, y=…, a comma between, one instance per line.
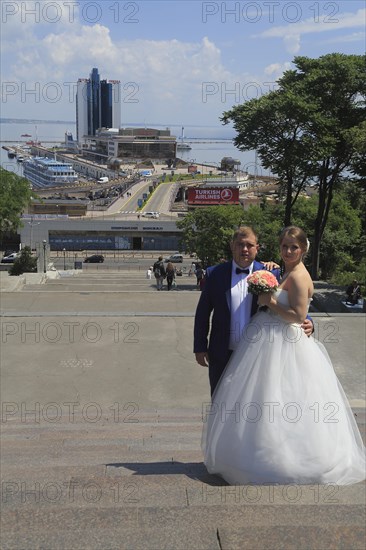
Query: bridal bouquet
x=262, y=281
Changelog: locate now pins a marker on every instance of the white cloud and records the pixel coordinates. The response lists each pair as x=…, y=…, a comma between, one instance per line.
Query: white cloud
x=277, y=69
x=88, y=43
x=354, y=37
x=162, y=76
x=292, y=43
x=291, y=33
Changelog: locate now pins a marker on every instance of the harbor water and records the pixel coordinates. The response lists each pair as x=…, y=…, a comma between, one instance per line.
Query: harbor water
x=208, y=144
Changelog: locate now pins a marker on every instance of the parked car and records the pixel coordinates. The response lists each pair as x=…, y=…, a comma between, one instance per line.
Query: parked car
x=175, y=258
x=10, y=258
x=94, y=259
x=150, y=214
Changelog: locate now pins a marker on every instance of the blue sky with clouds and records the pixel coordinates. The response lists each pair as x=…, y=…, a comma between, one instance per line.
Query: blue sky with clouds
x=179, y=62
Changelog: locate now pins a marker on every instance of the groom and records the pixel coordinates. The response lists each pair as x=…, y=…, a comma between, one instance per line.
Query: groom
x=226, y=296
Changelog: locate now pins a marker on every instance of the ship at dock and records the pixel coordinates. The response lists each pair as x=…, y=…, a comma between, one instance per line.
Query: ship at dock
x=44, y=172
x=182, y=145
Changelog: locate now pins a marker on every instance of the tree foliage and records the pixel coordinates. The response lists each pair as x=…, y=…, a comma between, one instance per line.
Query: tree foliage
x=207, y=231
x=311, y=129
x=24, y=263
x=15, y=195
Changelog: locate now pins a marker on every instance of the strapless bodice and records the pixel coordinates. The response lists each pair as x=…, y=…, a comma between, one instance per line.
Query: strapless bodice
x=282, y=297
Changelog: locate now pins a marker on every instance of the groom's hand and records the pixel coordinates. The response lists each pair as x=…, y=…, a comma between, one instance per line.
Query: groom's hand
x=270, y=265
x=202, y=358
x=307, y=327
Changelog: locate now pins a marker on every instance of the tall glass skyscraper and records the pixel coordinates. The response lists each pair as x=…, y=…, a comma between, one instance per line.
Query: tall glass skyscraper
x=98, y=105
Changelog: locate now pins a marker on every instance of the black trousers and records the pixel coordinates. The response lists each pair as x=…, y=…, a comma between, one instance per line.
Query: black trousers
x=216, y=368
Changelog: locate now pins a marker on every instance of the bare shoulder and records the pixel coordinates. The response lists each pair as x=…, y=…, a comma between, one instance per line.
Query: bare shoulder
x=300, y=280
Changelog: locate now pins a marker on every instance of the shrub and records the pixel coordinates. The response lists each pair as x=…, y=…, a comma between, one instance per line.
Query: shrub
x=24, y=263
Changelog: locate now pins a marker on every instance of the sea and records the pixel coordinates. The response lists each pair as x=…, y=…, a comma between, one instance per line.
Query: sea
x=209, y=144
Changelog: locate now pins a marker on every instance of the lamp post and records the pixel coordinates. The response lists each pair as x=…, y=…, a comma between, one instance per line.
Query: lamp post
x=64, y=251
x=32, y=223
x=44, y=242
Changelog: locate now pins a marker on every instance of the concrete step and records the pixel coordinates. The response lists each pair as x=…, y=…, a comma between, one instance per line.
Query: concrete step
x=112, y=280
x=105, y=288
x=142, y=485
x=172, y=527
x=196, y=538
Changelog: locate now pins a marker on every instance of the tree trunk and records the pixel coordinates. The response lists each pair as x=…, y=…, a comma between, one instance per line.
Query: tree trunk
x=315, y=257
x=288, y=206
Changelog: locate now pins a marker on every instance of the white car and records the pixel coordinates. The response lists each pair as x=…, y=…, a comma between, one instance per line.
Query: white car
x=150, y=214
x=175, y=258
x=10, y=259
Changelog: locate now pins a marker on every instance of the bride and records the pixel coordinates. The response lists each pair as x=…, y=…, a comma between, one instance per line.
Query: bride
x=279, y=413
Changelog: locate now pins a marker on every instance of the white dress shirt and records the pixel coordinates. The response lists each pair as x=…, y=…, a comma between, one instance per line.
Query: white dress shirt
x=241, y=304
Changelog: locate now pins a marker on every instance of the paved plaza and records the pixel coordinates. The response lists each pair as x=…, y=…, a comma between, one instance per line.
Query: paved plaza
x=102, y=414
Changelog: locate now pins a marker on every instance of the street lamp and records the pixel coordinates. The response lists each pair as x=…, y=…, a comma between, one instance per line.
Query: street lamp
x=44, y=256
x=32, y=223
x=64, y=251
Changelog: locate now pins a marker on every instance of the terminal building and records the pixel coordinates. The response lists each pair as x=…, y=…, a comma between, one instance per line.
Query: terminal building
x=131, y=145
x=85, y=234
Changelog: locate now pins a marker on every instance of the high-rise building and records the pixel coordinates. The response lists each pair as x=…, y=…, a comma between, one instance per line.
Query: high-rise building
x=98, y=105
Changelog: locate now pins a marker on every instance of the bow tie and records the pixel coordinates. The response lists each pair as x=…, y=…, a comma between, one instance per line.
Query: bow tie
x=238, y=270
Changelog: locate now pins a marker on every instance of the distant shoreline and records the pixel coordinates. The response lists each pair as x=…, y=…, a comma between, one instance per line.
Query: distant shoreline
x=33, y=121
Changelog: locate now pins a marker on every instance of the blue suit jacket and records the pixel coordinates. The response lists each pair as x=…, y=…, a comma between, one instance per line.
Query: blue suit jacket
x=216, y=299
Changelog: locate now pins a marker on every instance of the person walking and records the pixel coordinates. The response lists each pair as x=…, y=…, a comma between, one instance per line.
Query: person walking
x=199, y=272
x=159, y=273
x=170, y=274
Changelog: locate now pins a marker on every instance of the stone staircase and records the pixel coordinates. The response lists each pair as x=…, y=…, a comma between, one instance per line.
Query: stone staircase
x=101, y=440
x=135, y=480
x=121, y=281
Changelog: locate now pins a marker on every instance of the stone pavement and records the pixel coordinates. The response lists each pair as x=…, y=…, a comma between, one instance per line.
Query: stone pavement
x=102, y=407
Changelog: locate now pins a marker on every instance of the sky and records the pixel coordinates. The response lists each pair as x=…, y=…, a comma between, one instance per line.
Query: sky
x=180, y=63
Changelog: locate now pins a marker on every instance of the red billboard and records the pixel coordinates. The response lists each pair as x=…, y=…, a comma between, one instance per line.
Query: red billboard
x=213, y=195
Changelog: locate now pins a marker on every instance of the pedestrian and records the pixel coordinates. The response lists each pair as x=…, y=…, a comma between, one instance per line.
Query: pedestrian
x=170, y=274
x=159, y=273
x=353, y=293
x=149, y=272
x=199, y=274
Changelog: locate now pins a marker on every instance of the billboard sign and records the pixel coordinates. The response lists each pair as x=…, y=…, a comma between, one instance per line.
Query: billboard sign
x=213, y=195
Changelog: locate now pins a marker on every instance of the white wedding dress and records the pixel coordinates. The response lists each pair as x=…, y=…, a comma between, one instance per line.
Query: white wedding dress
x=279, y=413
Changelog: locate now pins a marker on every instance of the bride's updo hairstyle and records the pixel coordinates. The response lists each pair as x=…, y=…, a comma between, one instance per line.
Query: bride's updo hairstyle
x=298, y=234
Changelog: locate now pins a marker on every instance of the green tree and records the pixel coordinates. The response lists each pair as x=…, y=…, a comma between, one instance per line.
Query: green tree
x=24, y=263
x=15, y=195
x=311, y=129
x=341, y=238
x=207, y=231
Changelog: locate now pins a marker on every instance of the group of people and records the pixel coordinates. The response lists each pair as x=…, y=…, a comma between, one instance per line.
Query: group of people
x=169, y=272
x=161, y=273
x=278, y=412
